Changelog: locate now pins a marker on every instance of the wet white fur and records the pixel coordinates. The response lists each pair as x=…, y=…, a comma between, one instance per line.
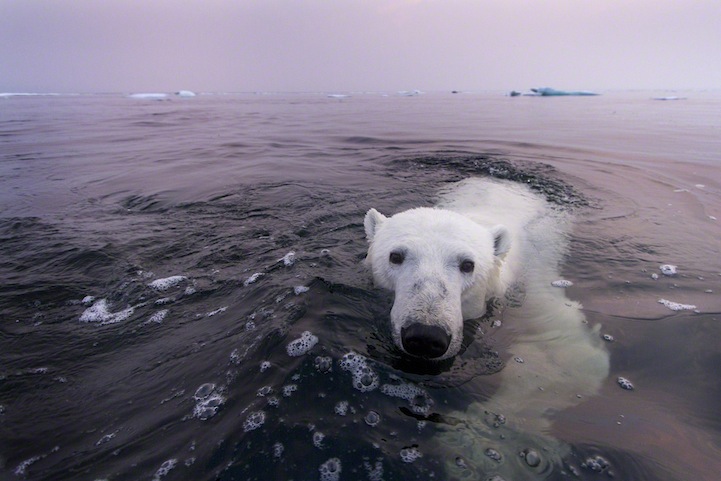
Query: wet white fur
x=564, y=361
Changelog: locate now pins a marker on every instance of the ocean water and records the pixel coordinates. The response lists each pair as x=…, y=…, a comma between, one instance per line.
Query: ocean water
x=183, y=295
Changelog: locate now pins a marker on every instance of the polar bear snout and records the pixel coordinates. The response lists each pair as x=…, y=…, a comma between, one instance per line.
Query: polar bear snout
x=425, y=340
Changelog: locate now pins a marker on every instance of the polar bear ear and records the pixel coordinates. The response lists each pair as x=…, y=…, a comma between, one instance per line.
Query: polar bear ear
x=501, y=240
x=371, y=222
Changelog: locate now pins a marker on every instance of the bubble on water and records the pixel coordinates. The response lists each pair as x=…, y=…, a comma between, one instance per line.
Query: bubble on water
x=164, y=469
x=325, y=252
x=204, y=390
x=298, y=290
x=264, y=391
x=364, y=378
x=208, y=401
x=288, y=259
x=330, y=470
x=375, y=472
x=278, y=449
x=531, y=456
x=323, y=363
x=318, y=438
x=159, y=316
x=302, y=345
x=519, y=360
x=252, y=279
x=495, y=420
x=166, y=283
x=254, y=421
x=341, y=408
x=418, y=398
x=372, y=418
x=608, y=338
x=105, y=439
x=264, y=366
x=87, y=300
x=562, y=283
x=217, y=311
x=410, y=454
x=625, y=383
x=596, y=464
x=100, y=312
x=289, y=389
x=273, y=401
x=493, y=454
x=668, y=270
x=461, y=463
x=675, y=306
x=235, y=356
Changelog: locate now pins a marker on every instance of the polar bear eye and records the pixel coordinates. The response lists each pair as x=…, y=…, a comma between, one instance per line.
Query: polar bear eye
x=467, y=266
x=396, y=257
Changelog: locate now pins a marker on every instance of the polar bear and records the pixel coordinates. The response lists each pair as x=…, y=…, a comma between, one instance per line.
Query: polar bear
x=490, y=239
x=444, y=264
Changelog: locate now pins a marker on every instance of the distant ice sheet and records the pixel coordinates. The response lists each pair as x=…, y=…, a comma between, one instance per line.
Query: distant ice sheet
x=149, y=96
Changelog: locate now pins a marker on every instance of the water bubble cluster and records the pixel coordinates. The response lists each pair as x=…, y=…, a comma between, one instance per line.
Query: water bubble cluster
x=375, y=473
x=675, y=306
x=562, y=283
x=323, y=363
x=625, y=383
x=166, y=283
x=100, y=312
x=254, y=421
x=668, y=270
x=596, y=464
x=418, y=398
x=288, y=259
x=164, y=469
x=341, y=408
x=318, y=438
x=364, y=378
x=411, y=454
x=207, y=401
x=252, y=279
x=302, y=345
x=330, y=470
x=159, y=316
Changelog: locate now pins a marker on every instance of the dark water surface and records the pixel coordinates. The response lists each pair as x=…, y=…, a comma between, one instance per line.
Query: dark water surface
x=158, y=258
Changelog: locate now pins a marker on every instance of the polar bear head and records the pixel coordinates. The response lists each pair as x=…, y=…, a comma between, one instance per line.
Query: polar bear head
x=441, y=266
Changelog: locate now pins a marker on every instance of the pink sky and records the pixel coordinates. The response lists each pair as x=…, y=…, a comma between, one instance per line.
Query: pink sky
x=358, y=45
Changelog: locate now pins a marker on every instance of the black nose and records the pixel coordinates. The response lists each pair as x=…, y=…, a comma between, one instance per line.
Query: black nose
x=425, y=341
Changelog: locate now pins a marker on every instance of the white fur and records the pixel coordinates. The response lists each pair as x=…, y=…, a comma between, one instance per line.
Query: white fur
x=564, y=361
x=429, y=285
